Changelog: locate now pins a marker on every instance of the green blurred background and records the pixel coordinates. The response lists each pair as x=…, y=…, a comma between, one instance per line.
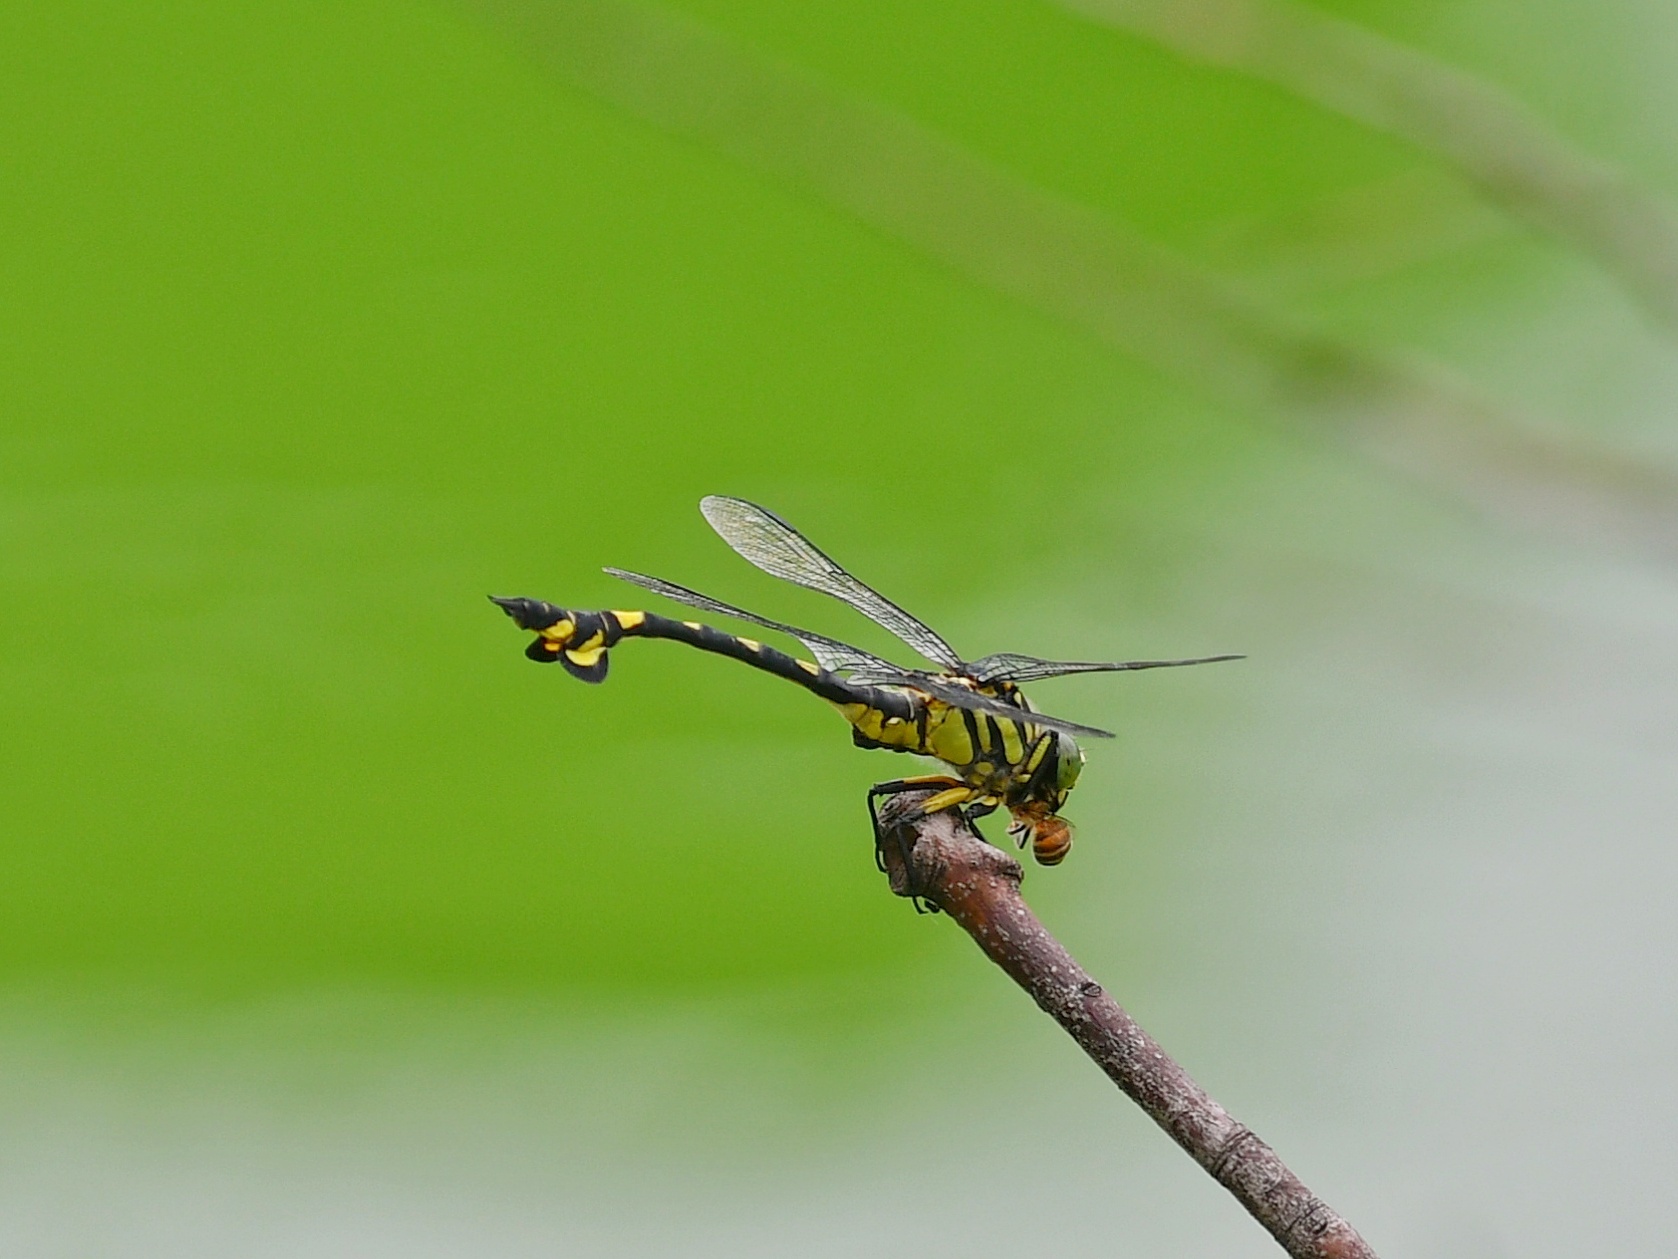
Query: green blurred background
x=329, y=926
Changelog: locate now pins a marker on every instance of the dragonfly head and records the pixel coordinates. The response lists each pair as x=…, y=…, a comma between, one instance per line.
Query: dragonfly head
x=1056, y=774
x=1038, y=818
x=1069, y=763
x=572, y=639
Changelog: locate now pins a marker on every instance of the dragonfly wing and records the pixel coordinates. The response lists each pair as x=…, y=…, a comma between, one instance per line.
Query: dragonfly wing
x=1008, y=667
x=960, y=697
x=865, y=668
x=764, y=539
x=830, y=653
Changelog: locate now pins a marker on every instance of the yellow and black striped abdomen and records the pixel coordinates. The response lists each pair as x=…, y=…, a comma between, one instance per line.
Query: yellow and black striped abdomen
x=581, y=641
x=900, y=728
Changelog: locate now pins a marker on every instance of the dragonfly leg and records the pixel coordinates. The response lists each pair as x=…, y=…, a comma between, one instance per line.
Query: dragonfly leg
x=895, y=787
x=983, y=807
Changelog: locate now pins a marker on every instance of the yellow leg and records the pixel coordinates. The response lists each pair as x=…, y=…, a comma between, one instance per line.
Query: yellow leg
x=948, y=799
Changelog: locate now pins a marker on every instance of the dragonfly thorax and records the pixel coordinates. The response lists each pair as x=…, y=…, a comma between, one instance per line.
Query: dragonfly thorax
x=1012, y=762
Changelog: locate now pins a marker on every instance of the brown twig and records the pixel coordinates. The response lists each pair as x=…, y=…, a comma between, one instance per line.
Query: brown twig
x=942, y=860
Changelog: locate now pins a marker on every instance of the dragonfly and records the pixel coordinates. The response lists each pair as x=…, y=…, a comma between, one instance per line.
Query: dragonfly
x=970, y=715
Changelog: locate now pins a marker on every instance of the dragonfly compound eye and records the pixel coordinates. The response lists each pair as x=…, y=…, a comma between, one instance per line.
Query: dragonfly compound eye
x=1071, y=764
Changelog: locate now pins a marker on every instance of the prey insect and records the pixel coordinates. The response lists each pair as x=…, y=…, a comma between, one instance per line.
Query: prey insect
x=970, y=715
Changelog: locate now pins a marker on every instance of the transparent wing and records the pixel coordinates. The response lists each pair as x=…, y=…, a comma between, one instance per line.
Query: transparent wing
x=764, y=539
x=958, y=696
x=830, y=653
x=865, y=668
x=1007, y=667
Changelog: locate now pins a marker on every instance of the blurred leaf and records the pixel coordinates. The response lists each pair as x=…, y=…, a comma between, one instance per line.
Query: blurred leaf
x=898, y=176
x=1480, y=131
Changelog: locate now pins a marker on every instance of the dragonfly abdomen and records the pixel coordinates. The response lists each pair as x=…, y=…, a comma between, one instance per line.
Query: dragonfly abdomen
x=580, y=641
x=805, y=673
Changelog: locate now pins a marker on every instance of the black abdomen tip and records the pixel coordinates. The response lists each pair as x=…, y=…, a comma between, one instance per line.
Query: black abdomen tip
x=530, y=614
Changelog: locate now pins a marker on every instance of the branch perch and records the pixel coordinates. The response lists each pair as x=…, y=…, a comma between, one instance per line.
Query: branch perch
x=943, y=860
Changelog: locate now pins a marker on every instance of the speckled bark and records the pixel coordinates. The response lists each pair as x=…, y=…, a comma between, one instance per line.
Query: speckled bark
x=979, y=887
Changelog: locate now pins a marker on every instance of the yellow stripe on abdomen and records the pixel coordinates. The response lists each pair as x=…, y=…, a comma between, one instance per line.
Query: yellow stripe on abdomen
x=947, y=737
x=873, y=724
x=1013, y=746
x=1039, y=750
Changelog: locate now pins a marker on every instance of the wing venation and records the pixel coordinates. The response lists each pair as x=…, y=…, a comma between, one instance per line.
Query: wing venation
x=762, y=538
x=830, y=653
x=1006, y=666
x=958, y=696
